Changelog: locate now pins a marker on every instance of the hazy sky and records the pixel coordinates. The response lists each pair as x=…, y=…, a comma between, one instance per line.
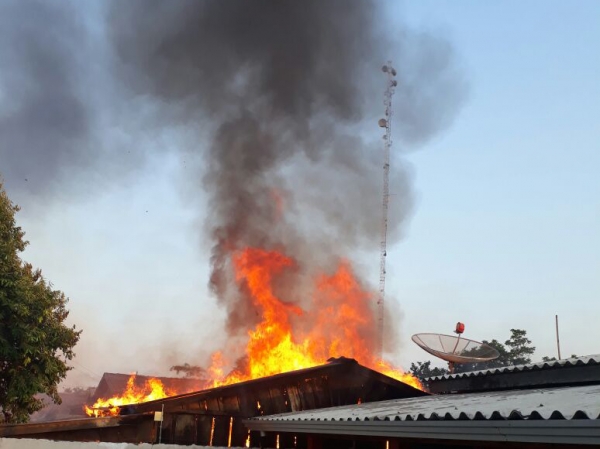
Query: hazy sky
x=504, y=232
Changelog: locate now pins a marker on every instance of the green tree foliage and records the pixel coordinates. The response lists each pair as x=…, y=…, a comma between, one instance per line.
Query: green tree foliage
x=423, y=370
x=554, y=359
x=34, y=341
x=519, y=347
x=517, y=350
x=502, y=360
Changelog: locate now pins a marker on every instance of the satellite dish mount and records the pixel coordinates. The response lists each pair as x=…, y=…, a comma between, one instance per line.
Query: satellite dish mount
x=455, y=349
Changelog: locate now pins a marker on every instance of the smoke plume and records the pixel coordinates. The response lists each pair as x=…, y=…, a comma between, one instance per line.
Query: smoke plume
x=276, y=100
x=285, y=85
x=44, y=119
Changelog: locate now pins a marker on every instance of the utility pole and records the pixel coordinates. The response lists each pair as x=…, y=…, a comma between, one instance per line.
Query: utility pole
x=557, y=337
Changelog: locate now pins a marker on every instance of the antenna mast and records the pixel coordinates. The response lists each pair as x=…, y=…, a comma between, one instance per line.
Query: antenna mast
x=387, y=139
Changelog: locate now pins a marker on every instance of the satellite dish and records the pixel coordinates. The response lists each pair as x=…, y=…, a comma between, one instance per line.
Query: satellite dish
x=455, y=349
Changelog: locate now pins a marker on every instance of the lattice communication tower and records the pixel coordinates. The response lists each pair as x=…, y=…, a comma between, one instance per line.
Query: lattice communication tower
x=387, y=145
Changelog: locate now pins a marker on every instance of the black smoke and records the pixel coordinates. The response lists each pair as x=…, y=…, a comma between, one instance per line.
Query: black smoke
x=276, y=100
x=286, y=85
x=44, y=118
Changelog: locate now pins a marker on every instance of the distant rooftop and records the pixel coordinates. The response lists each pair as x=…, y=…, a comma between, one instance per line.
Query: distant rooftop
x=576, y=371
x=113, y=384
x=573, y=361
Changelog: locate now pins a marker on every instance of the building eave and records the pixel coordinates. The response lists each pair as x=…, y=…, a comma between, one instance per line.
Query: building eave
x=552, y=431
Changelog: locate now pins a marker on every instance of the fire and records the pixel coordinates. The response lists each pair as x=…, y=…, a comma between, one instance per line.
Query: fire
x=339, y=322
x=271, y=348
x=385, y=368
x=151, y=390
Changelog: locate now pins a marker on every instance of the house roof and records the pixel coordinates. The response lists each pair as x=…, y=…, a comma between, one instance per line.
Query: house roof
x=30, y=430
x=574, y=361
x=347, y=375
x=567, y=415
x=70, y=407
x=547, y=403
x=113, y=384
x=571, y=372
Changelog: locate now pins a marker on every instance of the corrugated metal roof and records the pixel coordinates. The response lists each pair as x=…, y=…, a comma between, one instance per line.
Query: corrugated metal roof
x=340, y=380
x=575, y=361
x=65, y=425
x=540, y=404
x=555, y=432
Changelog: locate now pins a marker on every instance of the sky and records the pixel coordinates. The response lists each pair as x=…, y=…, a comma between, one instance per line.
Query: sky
x=503, y=233
x=506, y=232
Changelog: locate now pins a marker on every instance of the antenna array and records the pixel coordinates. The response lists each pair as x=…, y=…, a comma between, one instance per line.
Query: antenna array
x=387, y=138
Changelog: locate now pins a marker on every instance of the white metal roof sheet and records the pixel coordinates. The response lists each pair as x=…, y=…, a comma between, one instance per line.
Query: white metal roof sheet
x=574, y=361
x=548, y=403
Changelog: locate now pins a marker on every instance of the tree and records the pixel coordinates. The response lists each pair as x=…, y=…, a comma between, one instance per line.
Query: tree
x=554, y=359
x=191, y=371
x=502, y=360
x=520, y=349
x=35, y=343
x=517, y=351
x=423, y=370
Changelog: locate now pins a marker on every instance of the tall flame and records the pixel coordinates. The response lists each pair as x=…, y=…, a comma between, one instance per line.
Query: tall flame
x=341, y=322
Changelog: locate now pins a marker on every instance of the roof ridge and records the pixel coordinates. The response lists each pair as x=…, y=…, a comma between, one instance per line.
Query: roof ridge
x=571, y=361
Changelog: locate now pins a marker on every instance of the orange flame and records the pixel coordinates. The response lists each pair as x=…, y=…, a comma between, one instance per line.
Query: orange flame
x=341, y=317
x=340, y=322
x=151, y=390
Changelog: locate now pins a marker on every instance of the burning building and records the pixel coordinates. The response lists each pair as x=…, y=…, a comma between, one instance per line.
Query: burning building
x=280, y=90
x=216, y=416
x=116, y=390
x=266, y=101
x=292, y=185
x=343, y=404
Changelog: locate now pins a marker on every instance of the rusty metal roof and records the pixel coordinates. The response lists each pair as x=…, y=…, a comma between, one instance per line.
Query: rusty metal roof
x=113, y=384
x=219, y=412
x=66, y=425
x=345, y=375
